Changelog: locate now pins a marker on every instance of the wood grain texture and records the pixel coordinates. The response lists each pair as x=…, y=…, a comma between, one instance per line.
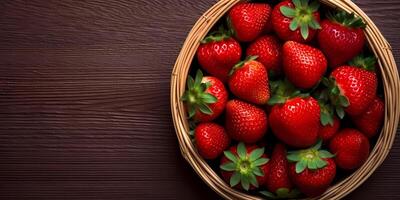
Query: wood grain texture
x=84, y=100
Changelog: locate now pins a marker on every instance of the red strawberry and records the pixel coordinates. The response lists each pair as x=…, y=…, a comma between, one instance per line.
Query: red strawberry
x=244, y=164
x=351, y=148
x=248, y=20
x=245, y=122
x=211, y=140
x=353, y=87
x=205, y=97
x=312, y=170
x=268, y=50
x=329, y=130
x=294, y=120
x=303, y=65
x=296, y=20
x=249, y=81
x=218, y=53
x=371, y=120
x=278, y=181
x=341, y=38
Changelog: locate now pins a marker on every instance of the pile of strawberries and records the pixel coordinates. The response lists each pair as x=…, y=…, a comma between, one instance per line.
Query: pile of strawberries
x=298, y=110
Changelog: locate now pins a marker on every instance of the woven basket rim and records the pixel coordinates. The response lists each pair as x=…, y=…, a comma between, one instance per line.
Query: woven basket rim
x=391, y=84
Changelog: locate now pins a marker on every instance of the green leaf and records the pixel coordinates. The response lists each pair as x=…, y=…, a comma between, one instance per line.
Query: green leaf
x=314, y=24
x=282, y=193
x=185, y=96
x=208, y=98
x=326, y=82
x=230, y=156
x=293, y=157
x=288, y=12
x=235, y=179
x=335, y=90
x=311, y=165
x=230, y=166
x=340, y=112
x=318, y=145
x=256, y=154
x=260, y=162
x=325, y=154
x=320, y=163
x=198, y=79
x=304, y=31
x=276, y=100
x=343, y=101
x=241, y=149
x=314, y=6
x=245, y=183
x=191, y=110
x=205, y=109
x=253, y=180
x=297, y=3
x=294, y=24
x=326, y=118
x=257, y=171
x=268, y=194
x=190, y=82
x=300, y=166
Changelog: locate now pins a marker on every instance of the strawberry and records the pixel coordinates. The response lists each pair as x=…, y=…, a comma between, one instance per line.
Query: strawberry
x=205, y=97
x=218, y=53
x=211, y=140
x=249, y=81
x=326, y=132
x=312, y=170
x=371, y=120
x=248, y=20
x=245, y=122
x=296, y=20
x=353, y=88
x=268, y=50
x=294, y=119
x=351, y=148
x=341, y=37
x=244, y=164
x=278, y=181
x=303, y=65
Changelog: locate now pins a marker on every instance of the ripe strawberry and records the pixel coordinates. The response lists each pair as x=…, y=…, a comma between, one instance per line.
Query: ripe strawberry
x=205, y=97
x=249, y=81
x=353, y=87
x=294, y=119
x=211, y=140
x=303, y=65
x=268, y=50
x=296, y=20
x=278, y=181
x=371, y=120
x=326, y=132
x=244, y=164
x=351, y=148
x=248, y=20
x=312, y=170
x=341, y=37
x=218, y=53
x=245, y=122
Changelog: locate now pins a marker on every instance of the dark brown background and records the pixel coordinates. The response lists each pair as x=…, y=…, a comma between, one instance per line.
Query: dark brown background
x=84, y=100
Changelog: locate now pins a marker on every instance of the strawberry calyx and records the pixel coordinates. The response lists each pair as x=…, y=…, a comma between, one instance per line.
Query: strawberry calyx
x=196, y=96
x=346, y=19
x=311, y=158
x=281, y=193
x=327, y=111
x=241, y=64
x=336, y=98
x=302, y=16
x=283, y=90
x=217, y=36
x=364, y=62
x=245, y=166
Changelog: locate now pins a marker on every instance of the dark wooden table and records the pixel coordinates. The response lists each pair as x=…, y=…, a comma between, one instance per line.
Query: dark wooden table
x=84, y=100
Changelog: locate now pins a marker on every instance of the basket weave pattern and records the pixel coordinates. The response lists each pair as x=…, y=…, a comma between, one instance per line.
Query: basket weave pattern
x=391, y=84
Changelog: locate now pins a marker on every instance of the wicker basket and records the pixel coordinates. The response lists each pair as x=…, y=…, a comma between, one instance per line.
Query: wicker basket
x=391, y=84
